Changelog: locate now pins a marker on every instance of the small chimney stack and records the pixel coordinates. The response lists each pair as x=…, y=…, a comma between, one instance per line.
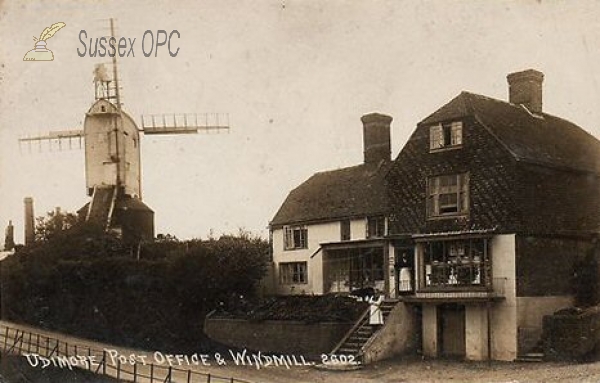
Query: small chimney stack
x=376, y=138
x=29, y=221
x=9, y=237
x=526, y=88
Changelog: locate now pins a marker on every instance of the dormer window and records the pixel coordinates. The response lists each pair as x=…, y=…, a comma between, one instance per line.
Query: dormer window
x=445, y=135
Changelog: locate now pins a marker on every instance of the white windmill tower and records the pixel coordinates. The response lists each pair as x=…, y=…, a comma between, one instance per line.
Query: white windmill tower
x=112, y=155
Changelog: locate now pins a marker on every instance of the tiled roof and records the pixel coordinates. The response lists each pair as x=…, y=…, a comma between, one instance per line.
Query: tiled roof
x=342, y=193
x=542, y=138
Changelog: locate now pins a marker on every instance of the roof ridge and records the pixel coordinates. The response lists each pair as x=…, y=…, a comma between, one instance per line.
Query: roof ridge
x=338, y=169
x=508, y=103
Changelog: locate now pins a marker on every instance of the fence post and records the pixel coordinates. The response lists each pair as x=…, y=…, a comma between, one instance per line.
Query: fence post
x=15, y=341
x=21, y=342
x=208, y=378
x=189, y=376
x=37, y=343
x=134, y=372
x=103, y=362
x=47, y=346
x=29, y=343
x=151, y=373
x=118, y=370
x=5, y=339
x=66, y=349
x=169, y=375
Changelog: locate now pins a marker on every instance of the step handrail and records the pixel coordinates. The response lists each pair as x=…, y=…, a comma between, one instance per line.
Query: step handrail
x=357, y=324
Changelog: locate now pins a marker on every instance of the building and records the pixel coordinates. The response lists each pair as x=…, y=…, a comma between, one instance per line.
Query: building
x=113, y=173
x=499, y=201
x=477, y=227
x=328, y=235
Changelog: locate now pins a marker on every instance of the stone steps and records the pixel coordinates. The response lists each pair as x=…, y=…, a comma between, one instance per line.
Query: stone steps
x=531, y=357
x=364, y=332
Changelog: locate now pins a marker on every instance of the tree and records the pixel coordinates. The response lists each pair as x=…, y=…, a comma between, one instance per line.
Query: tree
x=53, y=223
x=85, y=281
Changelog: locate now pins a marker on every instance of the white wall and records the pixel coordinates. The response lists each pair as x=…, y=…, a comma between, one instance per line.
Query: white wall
x=504, y=313
x=476, y=332
x=358, y=229
x=317, y=234
x=430, y=330
x=100, y=146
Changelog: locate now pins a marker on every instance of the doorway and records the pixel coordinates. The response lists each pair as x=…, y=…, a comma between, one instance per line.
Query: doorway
x=404, y=269
x=451, y=322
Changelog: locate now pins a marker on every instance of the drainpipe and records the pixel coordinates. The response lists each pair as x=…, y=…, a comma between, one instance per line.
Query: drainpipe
x=489, y=331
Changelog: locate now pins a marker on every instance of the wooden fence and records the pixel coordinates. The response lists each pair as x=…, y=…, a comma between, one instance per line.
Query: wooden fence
x=42, y=349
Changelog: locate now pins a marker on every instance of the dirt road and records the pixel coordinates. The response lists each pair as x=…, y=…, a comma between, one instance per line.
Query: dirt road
x=393, y=371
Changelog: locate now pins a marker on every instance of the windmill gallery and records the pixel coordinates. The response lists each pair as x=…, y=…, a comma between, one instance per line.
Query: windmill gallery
x=124, y=47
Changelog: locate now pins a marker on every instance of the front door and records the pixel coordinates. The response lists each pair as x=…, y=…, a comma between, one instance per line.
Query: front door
x=452, y=330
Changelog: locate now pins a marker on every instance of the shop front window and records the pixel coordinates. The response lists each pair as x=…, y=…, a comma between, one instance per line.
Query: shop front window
x=457, y=263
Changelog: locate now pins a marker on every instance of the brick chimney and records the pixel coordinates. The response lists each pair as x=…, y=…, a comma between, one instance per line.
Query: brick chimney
x=29, y=221
x=376, y=137
x=9, y=237
x=526, y=88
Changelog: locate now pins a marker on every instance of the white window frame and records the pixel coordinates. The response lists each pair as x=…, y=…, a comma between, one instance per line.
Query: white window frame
x=295, y=237
x=448, y=185
x=446, y=135
x=293, y=273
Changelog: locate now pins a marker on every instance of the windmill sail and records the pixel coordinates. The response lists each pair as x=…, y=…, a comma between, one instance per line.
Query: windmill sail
x=63, y=139
x=184, y=123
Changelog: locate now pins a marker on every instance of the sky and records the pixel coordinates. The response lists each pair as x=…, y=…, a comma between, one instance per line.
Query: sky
x=294, y=76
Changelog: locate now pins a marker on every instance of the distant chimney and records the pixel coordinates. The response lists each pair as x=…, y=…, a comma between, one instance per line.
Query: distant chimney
x=526, y=88
x=376, y=137
x=9, y=237
x=29, y=221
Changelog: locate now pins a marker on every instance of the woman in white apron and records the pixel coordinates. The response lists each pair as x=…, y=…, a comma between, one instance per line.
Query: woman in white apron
x=376, y=316
x=405, y=275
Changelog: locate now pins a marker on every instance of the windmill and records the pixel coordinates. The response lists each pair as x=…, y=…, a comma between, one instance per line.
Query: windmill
x=113, y=158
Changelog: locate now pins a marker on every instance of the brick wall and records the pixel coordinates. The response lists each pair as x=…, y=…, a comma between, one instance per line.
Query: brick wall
x=284, y=337
x=571, y=336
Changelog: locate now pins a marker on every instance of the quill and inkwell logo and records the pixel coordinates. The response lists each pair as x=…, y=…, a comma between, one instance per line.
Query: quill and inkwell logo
x=40, y=52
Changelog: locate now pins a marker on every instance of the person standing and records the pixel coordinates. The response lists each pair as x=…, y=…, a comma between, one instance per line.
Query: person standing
x=405, y=274
x=376, y=316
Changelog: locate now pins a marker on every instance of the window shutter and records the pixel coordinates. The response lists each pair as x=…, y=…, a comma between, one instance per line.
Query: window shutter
x=456, y=133
x=436, y=137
